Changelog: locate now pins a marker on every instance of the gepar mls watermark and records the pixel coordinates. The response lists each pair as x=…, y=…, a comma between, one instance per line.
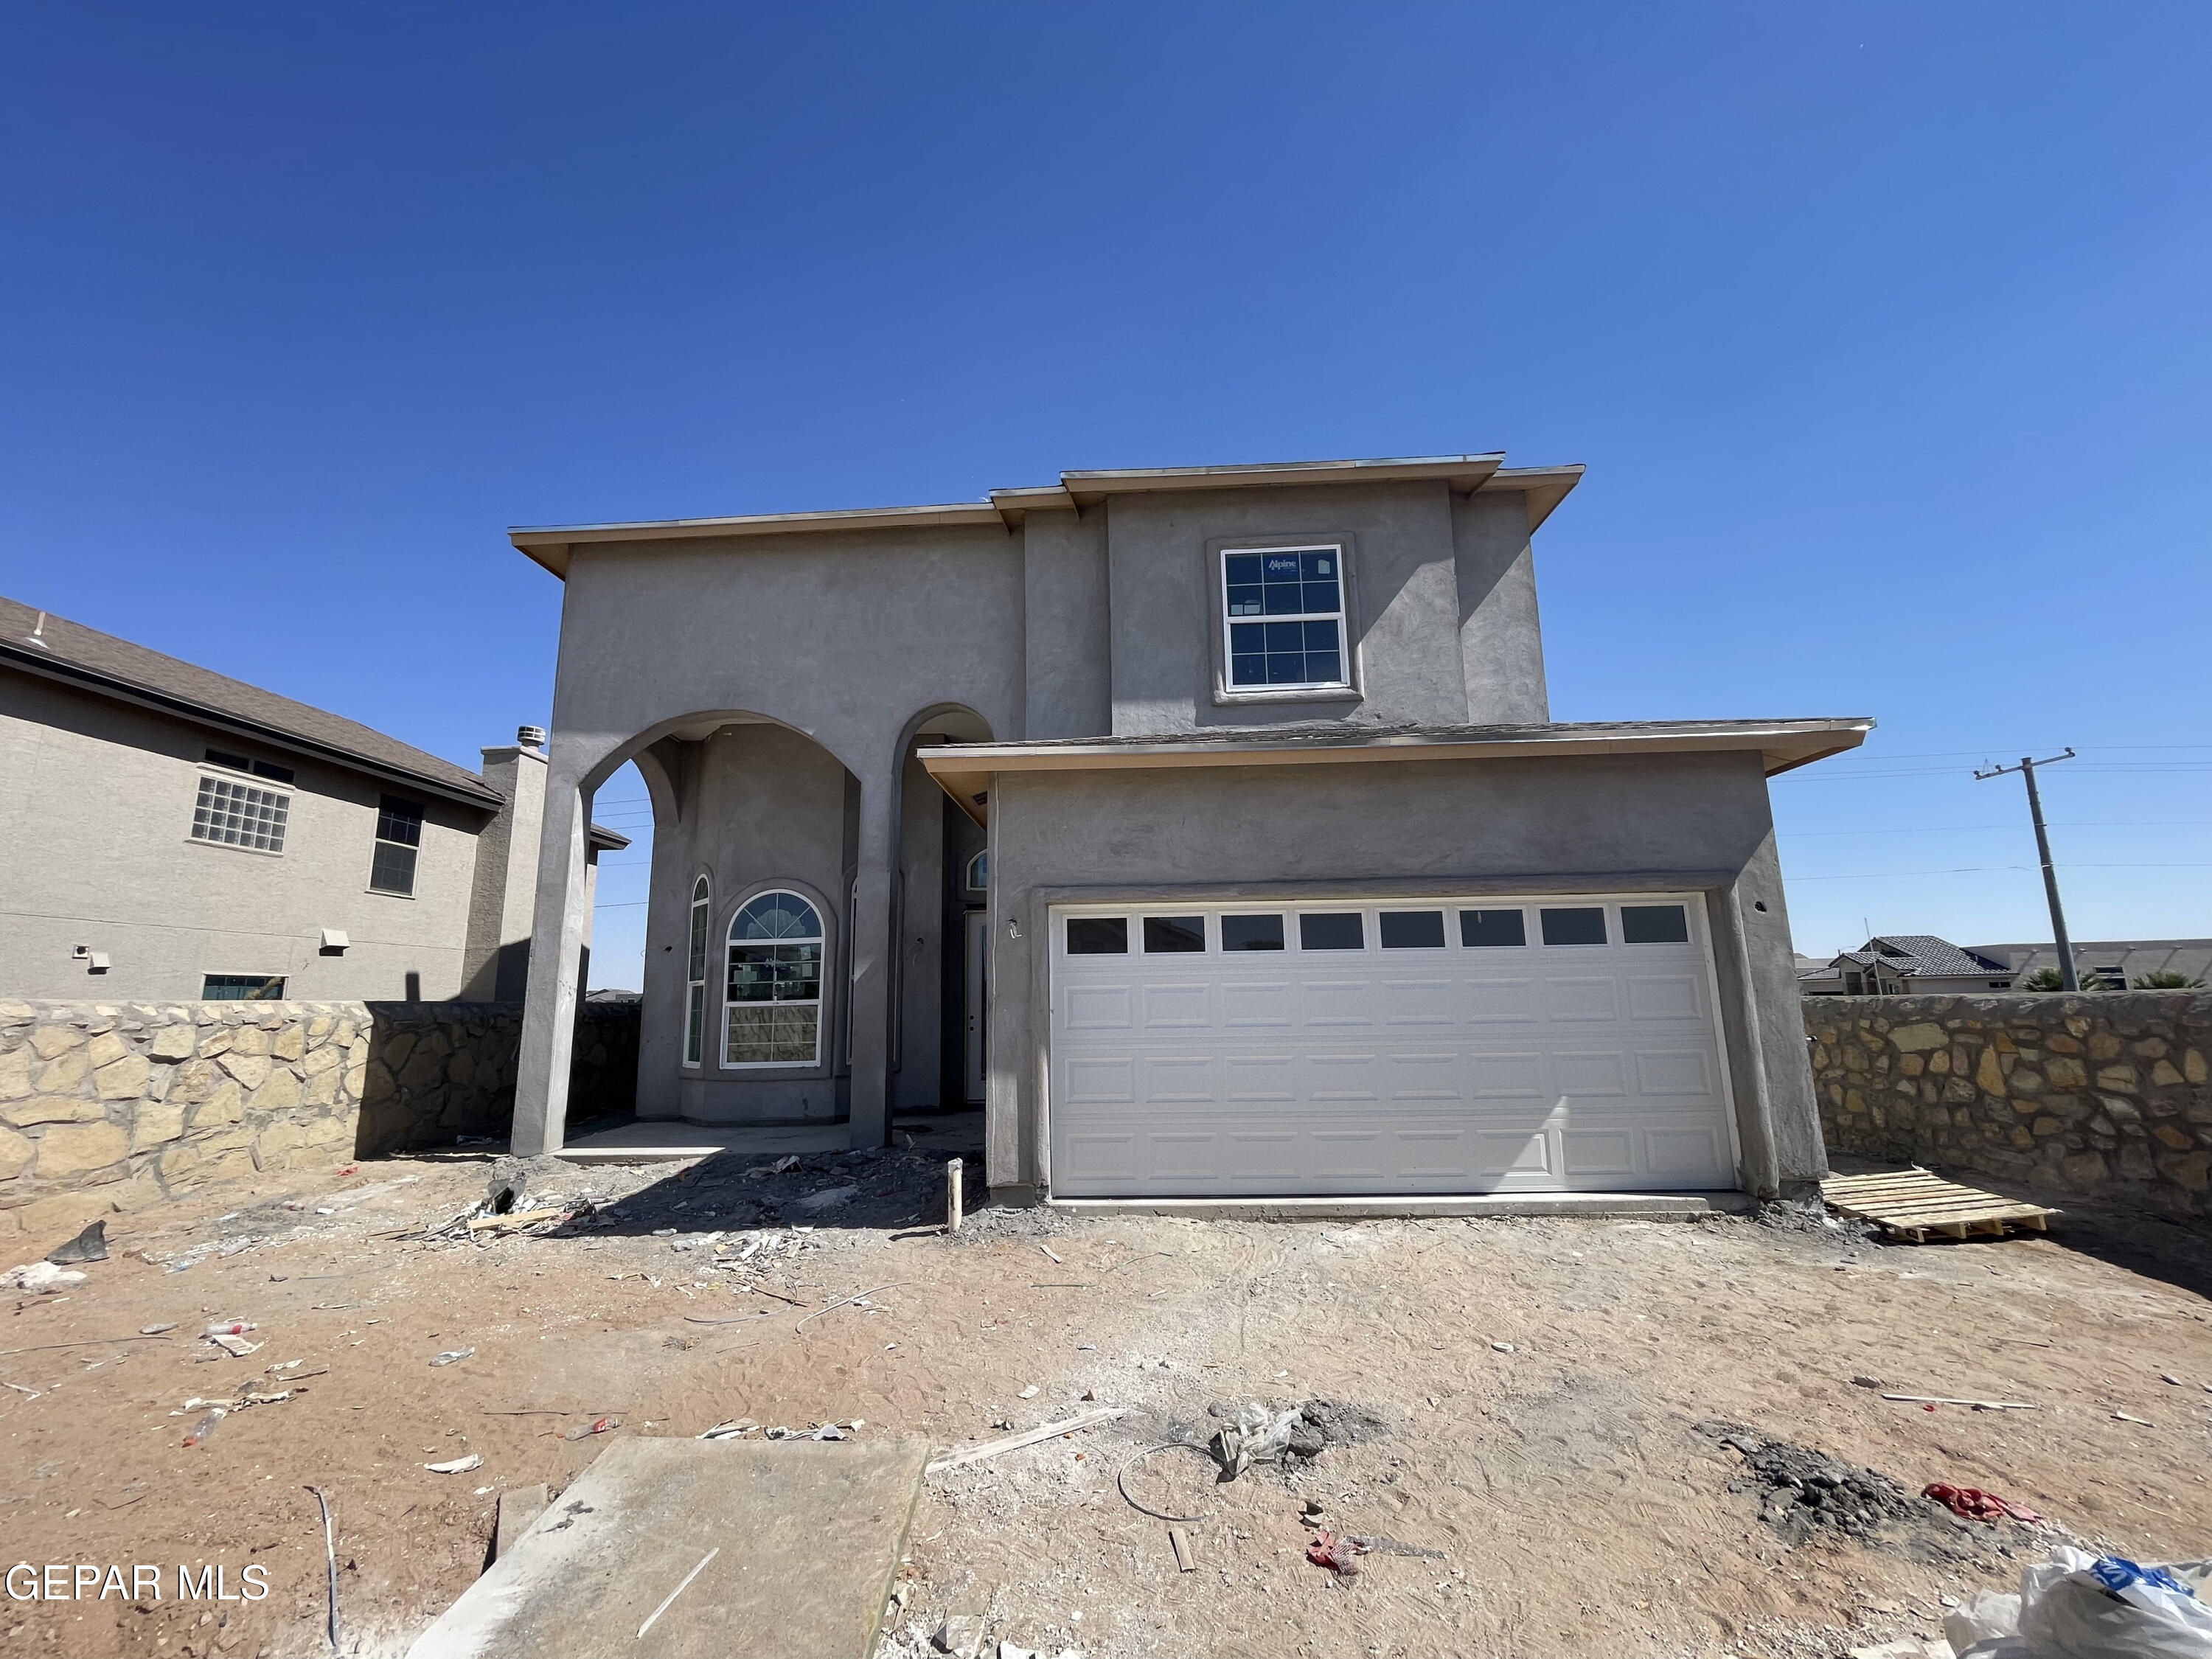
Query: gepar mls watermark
x=87, y=1581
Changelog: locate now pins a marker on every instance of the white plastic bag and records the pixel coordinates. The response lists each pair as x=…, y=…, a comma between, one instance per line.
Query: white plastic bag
x=1987, y=1616
x=2077, y=1605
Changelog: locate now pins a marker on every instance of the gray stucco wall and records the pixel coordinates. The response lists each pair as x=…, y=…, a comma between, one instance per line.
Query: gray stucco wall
x=1613, y=824
x=1429, y=572
x=95, y=849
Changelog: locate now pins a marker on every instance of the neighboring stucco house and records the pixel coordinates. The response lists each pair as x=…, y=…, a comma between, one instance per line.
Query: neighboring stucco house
x=169, y=835
x=1906, y=964
x=1207, y=824
x=2108, y=963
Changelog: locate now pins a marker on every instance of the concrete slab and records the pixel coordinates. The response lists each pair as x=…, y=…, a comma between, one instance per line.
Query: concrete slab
x=1649, y=1206
x=663, y=1140
x=699, y=1549
x=672, y=1140
x=518, y=1507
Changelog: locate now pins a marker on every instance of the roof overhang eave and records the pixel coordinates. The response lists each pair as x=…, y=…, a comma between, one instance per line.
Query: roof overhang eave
x=964, y=772
x=484, y=798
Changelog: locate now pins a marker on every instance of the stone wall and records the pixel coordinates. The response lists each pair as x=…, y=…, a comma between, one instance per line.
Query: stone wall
x=2102, y=1095
x=109, y=1107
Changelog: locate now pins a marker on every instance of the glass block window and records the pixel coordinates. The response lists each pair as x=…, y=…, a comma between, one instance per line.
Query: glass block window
x=694, y=975
x=239, y=815
x=1283, y=611
x=772, y=1003
x=398, y=838
x=242, y=987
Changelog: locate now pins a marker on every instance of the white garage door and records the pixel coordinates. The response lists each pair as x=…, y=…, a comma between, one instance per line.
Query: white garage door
x=1407, y=1047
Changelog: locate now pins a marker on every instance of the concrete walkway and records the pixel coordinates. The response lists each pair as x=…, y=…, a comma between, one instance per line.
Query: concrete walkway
x=671, y=1140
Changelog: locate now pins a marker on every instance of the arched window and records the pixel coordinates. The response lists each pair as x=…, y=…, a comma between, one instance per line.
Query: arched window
x=694, y=976
x=772, y=1011
x=978, y=878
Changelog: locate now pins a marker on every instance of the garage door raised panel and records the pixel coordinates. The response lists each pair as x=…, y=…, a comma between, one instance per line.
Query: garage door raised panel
x=1445, y=1045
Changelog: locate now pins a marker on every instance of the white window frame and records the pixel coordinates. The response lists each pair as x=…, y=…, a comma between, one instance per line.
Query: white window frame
x=279, y=801
x=1341, y=616
x=729, y=943
x=698, y=940
x=967, y=881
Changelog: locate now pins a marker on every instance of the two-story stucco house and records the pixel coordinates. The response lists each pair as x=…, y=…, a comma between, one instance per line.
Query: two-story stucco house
x=168, y=834
x=1206, y=823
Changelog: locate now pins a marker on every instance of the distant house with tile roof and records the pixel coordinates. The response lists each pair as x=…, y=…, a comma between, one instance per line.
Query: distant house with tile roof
x=1901, y=963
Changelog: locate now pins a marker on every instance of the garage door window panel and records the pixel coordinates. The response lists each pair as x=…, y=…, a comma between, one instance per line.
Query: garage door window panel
x=1098, y=936
x=1411, y=930
x=1487, y=930
x=1654, y=924
x=1173, y=935
x=772, y=1009
x=1332, y=931
x=1580, y=926
x=1251, y=933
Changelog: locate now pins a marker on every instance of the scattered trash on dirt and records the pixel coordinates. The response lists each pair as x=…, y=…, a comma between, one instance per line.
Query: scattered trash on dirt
x=960, y=1635
x=1976, y=1504
x=90, y=1245
x=458, y=1466
x=1179, y=1542
x=1979, y=1405
x=730, y=1430
x=330, y=1563
x=859, y=1300
x=236, y=1346
x=2126, y=1417
x=1339, y=1555
x=2073, y=1605
x=597, y=1425
x=1027, y=1437
x=230, y=1328
x=1805, y=1490
x=197, y=1434
x=1262, y=1434
x=39, y=1279
x=157, y=1330
x=453, y=1356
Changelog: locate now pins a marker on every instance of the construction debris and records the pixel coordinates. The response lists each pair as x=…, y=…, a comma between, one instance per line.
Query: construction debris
x=953, y=1459
x=90, y=1245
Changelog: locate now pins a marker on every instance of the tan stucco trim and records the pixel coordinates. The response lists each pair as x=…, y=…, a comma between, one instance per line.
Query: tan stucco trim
x=1545, y=487
x=964, y=772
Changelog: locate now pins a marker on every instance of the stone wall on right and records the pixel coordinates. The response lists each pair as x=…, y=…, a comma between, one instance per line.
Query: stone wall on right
x=2102, y=1095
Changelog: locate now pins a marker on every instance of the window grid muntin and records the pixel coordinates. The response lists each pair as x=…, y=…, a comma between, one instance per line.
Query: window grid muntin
x=1283, y=635
x=231, y=814
x=772, y=983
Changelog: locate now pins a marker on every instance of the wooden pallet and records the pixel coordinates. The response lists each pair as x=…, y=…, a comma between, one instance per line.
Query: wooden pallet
x=1912, y=1204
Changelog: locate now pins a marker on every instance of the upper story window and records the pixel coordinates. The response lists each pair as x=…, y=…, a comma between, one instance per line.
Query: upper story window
x=233, y=814
x=260, y=768
x=978, y=878
x=1283, y=609
x=398, y=838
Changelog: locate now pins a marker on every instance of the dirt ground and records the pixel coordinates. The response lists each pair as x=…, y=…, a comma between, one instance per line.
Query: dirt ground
x=1557, y=1398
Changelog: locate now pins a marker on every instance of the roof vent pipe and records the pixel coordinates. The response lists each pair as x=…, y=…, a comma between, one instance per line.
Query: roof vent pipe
x=530, y=737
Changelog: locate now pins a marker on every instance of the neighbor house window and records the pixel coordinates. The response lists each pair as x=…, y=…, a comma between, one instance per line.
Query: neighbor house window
x=978, y=878
x=694, y=975
x=1282, y=609
x=772, y=1013
x=242, y=987
x=398, y=838
x=239, y=815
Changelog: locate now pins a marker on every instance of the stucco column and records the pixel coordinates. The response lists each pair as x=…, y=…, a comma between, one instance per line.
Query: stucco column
x=557, y=946
x=869, y=988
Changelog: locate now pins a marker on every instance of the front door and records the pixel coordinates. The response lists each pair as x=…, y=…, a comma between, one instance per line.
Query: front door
x=974, y=982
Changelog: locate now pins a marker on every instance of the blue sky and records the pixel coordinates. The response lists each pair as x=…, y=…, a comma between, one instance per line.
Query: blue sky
x=1881, y=328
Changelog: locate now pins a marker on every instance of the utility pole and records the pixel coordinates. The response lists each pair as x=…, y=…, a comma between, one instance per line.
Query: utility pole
x=2067, y=979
